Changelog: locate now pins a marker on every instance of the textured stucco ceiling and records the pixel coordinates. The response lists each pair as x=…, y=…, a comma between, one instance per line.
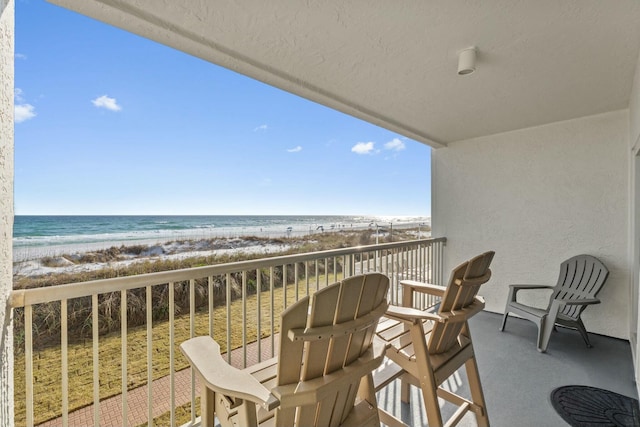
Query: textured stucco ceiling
x=394, y=63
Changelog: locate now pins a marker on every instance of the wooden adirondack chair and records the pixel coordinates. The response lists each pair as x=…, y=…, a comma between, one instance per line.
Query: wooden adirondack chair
x=427, y=347
x=580, y=280
x=322, y=376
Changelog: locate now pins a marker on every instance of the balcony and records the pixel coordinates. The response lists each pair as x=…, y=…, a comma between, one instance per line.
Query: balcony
x=126, y=365
x=536, y=156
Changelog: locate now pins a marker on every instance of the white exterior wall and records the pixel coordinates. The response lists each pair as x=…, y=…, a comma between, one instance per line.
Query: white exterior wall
x=6, y=208
x=538, y=196
x=634, y=108
x=634, y=246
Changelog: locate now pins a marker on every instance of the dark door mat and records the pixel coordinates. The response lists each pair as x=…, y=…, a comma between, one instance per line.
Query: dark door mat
x=584, y=406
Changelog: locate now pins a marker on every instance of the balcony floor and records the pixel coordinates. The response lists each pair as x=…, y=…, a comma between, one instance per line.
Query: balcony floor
x=518, y=380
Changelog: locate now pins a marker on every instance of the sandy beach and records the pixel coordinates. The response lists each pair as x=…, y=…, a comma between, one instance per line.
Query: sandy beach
x=61, y=259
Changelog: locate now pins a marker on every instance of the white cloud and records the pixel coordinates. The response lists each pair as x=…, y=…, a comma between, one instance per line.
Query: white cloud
x=363, y=148
x=265, y=182
x=106, y=102
x=20, y=56
x=261, y=127
x=295, y=150
x=395, y=145
x=23, y=112
x=17, y=95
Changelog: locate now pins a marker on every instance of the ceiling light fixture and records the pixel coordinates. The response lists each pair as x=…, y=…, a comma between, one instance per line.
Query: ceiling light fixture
x=467, y=61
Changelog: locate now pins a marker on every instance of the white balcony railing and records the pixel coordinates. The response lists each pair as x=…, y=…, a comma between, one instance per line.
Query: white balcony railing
x=148, y=315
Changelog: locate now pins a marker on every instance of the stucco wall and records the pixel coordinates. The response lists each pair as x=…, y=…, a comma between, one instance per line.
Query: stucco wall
x=634, y=250
x=537, y=197
x=6, y=208
x=634, y=107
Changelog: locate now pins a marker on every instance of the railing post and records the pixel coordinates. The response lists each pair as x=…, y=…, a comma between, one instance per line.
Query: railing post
x=284, y=287
x=244, y=317
x=96, y=364
x=271, y=308
x=326, y=272
x=172, y=367
x=295, y=280
x=306, y=275
x=259, y=313
x=149, y=313
x=228, y=301
x=123, y=340
x=211, y=305
x=64, y=362
x=192, y=333
x=28, y=360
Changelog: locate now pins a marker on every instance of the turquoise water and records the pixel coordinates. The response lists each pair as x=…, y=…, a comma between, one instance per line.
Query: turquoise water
x=51, y=231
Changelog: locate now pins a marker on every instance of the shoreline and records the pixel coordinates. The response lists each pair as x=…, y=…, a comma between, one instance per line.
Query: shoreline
x=92, y=237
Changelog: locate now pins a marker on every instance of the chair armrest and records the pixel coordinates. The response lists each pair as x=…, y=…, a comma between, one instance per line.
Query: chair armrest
x=513, y=290
x=204, y=356
x=426, y=288
x=408, y=314
x=531, y=286
x=409, y=287
x=583, y=301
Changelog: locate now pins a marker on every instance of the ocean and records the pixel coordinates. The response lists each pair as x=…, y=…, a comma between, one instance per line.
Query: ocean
x=51, y=234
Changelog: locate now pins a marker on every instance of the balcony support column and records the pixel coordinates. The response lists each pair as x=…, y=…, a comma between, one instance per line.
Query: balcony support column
x=7, y=40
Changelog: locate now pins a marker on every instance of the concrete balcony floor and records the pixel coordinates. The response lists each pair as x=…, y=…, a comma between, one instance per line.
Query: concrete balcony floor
x=518, y=380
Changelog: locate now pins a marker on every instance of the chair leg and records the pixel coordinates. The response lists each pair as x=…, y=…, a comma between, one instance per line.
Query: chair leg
x=583, y=332
x=207, y=406
x=431, y=405
x=426, y=377
x=510, y=298
x=366, y=390
x=405, y=390
x=473, y=376
x=504, y=320
x=545, y=327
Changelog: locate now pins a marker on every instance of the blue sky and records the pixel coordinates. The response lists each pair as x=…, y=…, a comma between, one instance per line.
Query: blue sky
x=110, y=123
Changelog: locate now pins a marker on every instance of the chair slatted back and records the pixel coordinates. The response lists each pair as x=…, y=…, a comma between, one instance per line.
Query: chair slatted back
x=581, y=277
x=337, y=307
x=464, y=283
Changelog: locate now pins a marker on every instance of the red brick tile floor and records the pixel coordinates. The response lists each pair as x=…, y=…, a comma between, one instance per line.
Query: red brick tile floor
x=136, y=400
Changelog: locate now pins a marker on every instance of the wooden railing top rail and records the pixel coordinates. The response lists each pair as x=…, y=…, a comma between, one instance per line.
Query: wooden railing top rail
x=24, y=297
